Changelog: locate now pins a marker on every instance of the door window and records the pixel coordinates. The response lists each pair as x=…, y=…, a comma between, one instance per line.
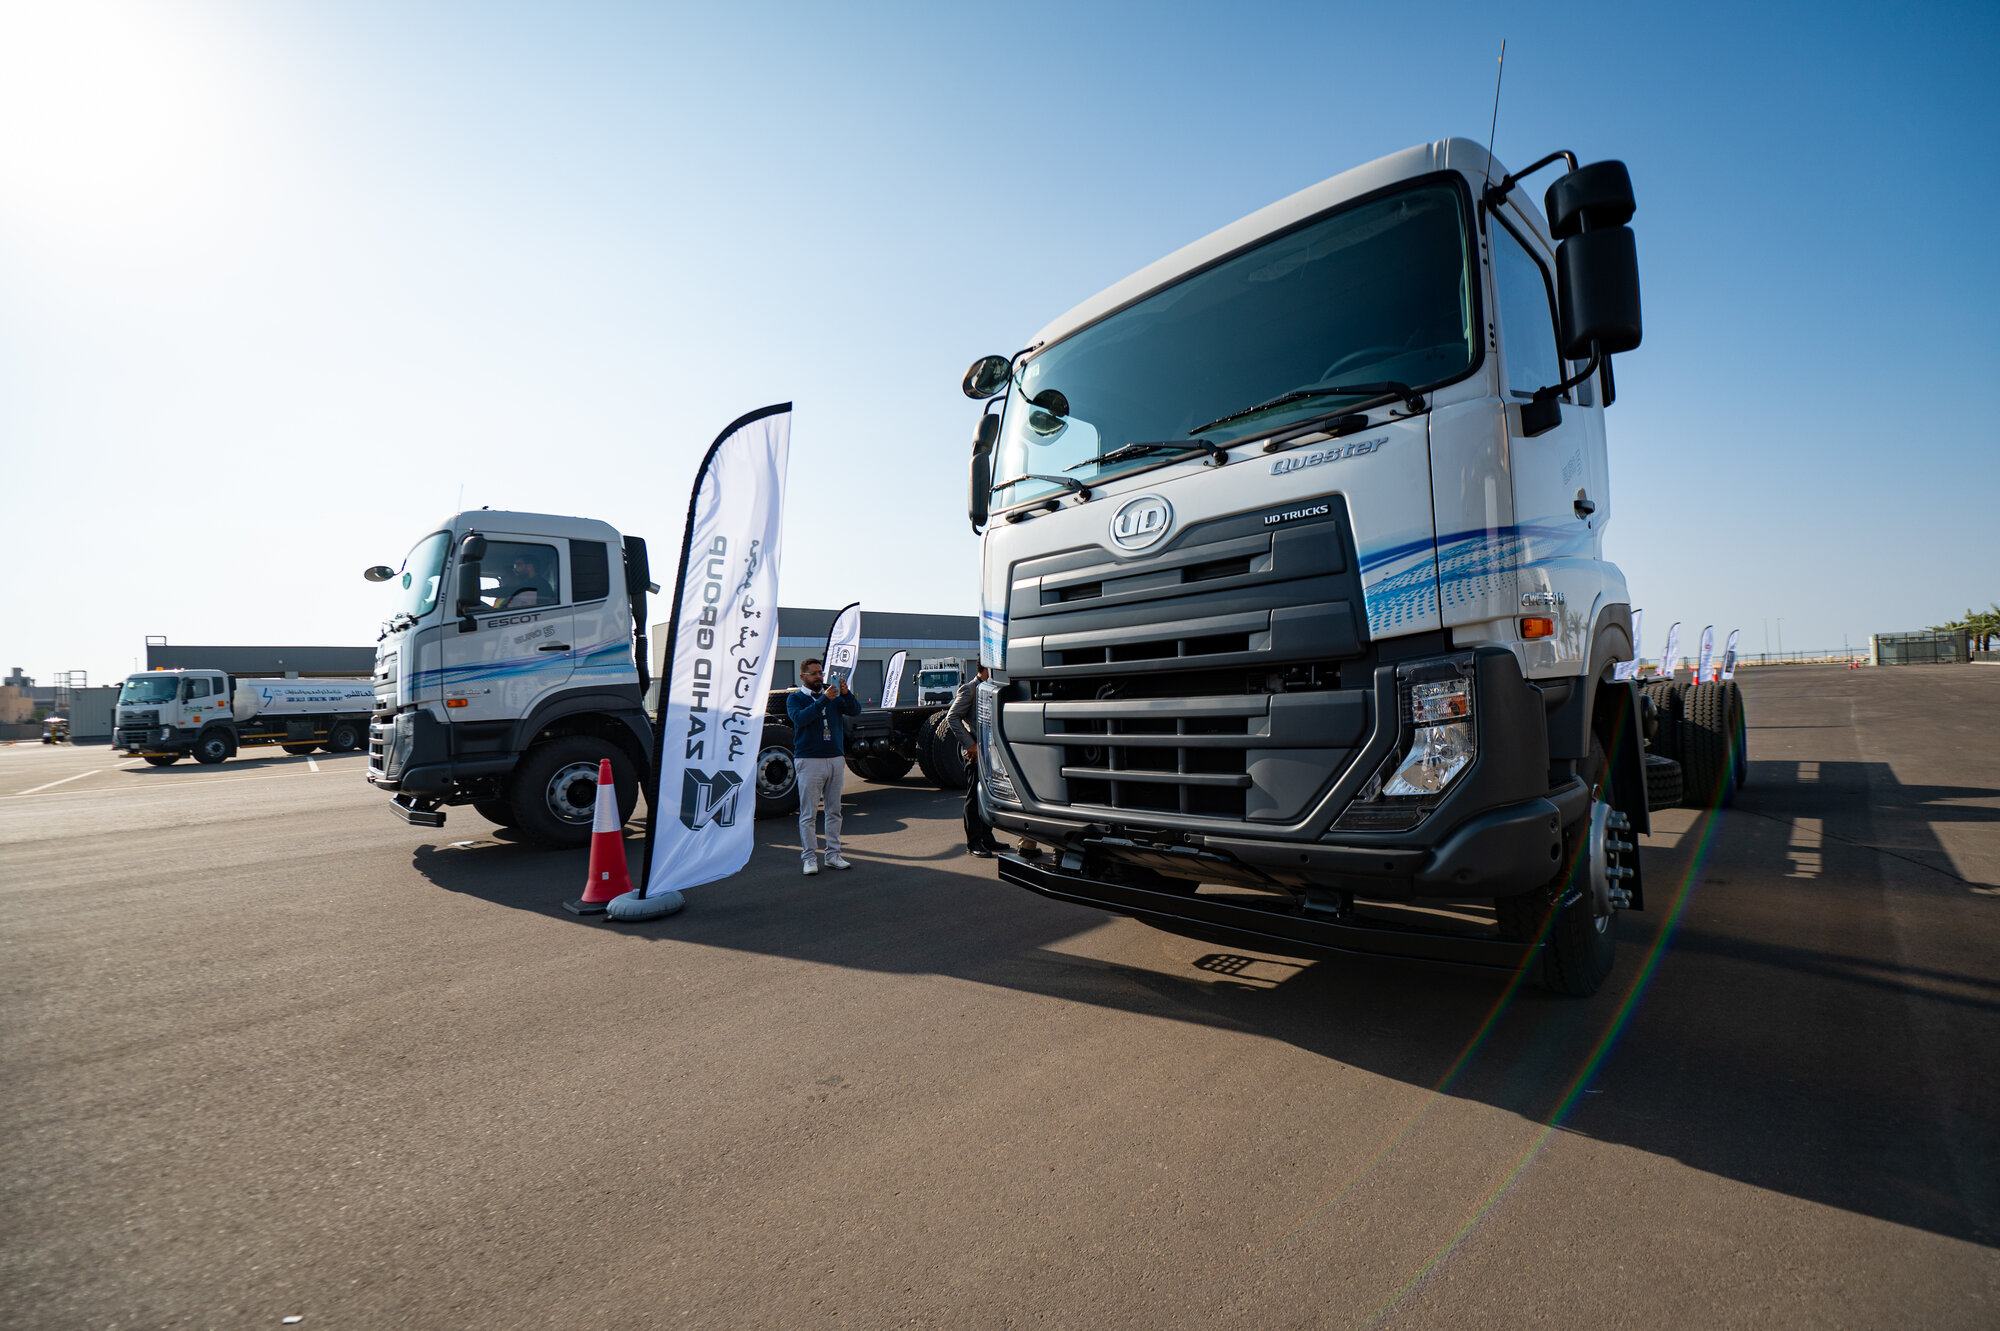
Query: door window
x=590, y=570
x=783, y=677
x=515, y=575
x=1527, y=317
x=197, y=688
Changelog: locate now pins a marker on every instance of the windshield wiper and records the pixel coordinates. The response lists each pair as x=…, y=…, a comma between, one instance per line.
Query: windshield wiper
x=1119, y=454
x=1387, y=388
x=1070, y=484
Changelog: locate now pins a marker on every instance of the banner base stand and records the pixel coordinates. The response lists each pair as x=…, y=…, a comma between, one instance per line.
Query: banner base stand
x=632, y=907
x=584, y=907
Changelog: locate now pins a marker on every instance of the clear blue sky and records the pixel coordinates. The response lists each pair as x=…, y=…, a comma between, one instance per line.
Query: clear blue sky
x=277, y=280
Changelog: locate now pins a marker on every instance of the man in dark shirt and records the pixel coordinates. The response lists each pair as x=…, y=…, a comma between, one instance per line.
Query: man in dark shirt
x=819, y=738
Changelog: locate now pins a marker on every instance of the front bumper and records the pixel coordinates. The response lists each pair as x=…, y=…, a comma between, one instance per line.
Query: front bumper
x=410, y=753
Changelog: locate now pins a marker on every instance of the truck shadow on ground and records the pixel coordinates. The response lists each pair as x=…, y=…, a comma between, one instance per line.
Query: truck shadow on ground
x=189, y=770
x=1785, y=1057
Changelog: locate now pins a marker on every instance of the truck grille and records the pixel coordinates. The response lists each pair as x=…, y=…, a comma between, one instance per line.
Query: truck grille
x=1201, y=682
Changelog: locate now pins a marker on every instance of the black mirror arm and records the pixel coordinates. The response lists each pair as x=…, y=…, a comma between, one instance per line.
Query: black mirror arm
x=1495, y=195
x=1554, y=391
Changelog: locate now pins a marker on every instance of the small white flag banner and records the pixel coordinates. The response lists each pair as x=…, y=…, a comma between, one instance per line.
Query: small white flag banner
x=1630, y=669
x=843, y=645
x=1707, y=654
x=892, y=679
x=1672, y=650
x=1729, y=654
x=719, y=657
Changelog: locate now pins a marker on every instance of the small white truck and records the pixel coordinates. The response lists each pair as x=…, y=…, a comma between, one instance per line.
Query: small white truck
x=166, y=715
x=938, y=679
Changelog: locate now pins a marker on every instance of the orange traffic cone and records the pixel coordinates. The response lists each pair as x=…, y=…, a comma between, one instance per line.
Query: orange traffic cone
x=608, y=875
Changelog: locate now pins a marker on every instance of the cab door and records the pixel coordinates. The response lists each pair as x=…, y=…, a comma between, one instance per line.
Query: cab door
x=521, y=647
x=1556, y=477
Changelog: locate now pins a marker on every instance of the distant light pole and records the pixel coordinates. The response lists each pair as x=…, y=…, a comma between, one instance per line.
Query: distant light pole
x=1781, y=635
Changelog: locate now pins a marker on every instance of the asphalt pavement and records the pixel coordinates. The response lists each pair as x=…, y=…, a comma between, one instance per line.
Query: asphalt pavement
x=268, y=1052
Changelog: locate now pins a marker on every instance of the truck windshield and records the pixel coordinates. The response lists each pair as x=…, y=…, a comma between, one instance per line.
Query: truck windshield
x=149, y=688
x=417, y=580
x=938, y=679
x=1377, y=292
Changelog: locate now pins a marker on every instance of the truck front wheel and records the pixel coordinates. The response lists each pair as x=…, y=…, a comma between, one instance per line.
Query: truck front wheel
x=162, y=759
x=554, y=790
x=498, y=812
x=211, y=748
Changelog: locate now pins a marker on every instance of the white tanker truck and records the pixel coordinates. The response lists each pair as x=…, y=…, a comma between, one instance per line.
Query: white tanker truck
x=166, y=715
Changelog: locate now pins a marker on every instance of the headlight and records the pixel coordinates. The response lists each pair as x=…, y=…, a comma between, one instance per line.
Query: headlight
x=1438, y=754
x=1440, y=740
x=166, y=731
x=999, y=783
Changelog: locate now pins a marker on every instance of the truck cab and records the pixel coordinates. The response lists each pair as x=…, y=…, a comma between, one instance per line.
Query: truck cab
x=1293, y=584
x=511, y=664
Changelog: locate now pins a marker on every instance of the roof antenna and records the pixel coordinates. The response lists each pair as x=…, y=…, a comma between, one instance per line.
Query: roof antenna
x=1494, y=127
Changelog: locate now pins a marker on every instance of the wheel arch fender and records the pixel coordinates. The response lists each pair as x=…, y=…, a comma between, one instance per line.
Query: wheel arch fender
x=615, y=715
x=1570, y=723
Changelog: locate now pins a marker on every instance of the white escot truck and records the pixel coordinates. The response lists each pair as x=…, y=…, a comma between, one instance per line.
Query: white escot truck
x=166, y=715
x=1294, y=589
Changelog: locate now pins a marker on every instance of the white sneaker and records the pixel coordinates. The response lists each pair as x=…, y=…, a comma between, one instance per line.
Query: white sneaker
x=835, y=862
x=812, y=867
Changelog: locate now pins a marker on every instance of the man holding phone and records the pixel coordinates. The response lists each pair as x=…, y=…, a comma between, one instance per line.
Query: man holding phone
x=819, y=743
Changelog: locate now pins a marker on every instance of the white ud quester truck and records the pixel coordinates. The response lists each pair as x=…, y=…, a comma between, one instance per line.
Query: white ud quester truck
x=514, y=661
x=1293, y=583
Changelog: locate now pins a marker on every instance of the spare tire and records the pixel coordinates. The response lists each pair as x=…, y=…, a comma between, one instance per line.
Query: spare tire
x=1663, y=782
x=1710, y=737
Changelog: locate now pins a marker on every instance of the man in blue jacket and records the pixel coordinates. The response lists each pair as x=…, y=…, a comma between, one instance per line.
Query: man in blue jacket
x=819, y=740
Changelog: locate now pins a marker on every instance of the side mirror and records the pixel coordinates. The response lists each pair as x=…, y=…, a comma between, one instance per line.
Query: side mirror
x=988, y=375
x=470, y=551
x=380, y=573
x=1597, y=263
x=980, y=484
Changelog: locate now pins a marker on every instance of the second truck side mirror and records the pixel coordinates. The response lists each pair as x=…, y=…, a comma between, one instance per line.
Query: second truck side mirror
x=470, y=551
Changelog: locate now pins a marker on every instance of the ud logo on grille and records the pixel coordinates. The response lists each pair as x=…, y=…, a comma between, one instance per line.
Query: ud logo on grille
x=709, y=799
x=1140, y=522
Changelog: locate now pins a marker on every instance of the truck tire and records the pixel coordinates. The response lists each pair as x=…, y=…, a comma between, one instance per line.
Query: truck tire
x=1711, y=736
x=927, y=755
x=554, y=790
x=953, y=772
x=498, y=812
x=1666, y=696
x=345, y=737
x=211, y=748
x=163, y=759
x=1663, y=782
x=298, y=750
x=777, y=771
x=884, y=768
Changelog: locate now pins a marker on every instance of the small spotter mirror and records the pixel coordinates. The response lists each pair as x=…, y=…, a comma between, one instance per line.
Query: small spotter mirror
x=987, y=376
x=380, y=573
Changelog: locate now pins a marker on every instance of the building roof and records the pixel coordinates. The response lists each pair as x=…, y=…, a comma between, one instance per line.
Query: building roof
x=356, y=662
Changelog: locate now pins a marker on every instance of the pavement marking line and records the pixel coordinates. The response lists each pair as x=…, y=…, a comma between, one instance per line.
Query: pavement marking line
x=311, y=763
x=66, y=780
x=145, y=790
